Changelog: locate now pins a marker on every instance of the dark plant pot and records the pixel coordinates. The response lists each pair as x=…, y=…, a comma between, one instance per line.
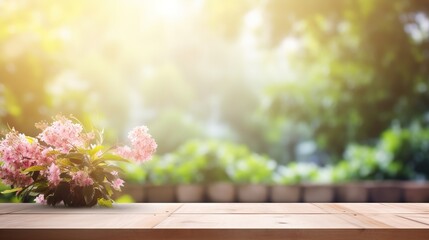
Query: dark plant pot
x=190, y=193
x=221, y=192
x=352, y=192
x=162, y=193
x=386, y=191
x=253, y=193
x=135, y=190
x=285, y=193
x=318, y=193
x=416, y=191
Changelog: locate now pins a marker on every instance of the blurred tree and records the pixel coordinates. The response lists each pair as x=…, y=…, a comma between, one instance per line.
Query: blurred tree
x=30, y=38
x=363, y=64
x=358, y=65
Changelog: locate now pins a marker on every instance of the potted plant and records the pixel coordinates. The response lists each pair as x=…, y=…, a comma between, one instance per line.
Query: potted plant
x=219, y=156
x=189, y=175
x=385, y=191
x=318, y=187
x=135, y=175
x=416, y=191
x=348, y=189
x=66, y=165
x=353, y=192
x=285, y=186
x=160, y=187
x=252, y=173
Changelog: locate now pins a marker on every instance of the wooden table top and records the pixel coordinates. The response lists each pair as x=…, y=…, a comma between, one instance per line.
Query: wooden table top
x=217, y=221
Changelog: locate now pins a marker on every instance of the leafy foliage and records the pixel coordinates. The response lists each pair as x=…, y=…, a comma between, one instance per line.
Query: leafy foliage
x=253, y=168
x=401, y=153
x=99, y=169
x=295, y=173
x=352, y=80
x=160, y=170
x=334, y=72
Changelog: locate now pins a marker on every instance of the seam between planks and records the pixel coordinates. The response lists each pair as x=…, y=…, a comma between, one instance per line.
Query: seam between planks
x=341, y=209
x=410, y=219
x=168, y=215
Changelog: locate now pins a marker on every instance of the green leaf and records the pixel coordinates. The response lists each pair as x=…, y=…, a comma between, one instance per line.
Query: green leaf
x=97, y=195
x=88, y=194
x=76, y=161
x=40, y=189
x=109, y=176
x=110, y=157
x=111, y=168
x=76, y=158
x=104, y=202
x=34, y=169
x=96, y=149
x=11, y=190
x=97, y=175
x=74, y=155
x=108, y=188
x=65, y=162
x=53, y=152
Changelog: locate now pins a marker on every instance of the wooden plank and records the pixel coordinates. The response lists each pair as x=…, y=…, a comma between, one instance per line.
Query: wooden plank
x=251, y=221
x=302, y=221
x=371, y=220
x=263, y=208
x=408, y=207
x=363, y=221
x=399, y=221
x=418, y=218
x=14, y=207
x=364, y=208
x=212, y=234
x=134, y=208
x=80, y=221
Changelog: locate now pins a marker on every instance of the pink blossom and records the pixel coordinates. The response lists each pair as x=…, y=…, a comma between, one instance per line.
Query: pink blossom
x=47, y=156
x=40, y=199
x=17, y=153
x=63, y=134
x=142, y=148
x=117, y=184
x=54, y=174
x=124, y=151
x=82, y=179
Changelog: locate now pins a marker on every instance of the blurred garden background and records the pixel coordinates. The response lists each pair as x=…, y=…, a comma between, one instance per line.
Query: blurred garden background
x=246, y=91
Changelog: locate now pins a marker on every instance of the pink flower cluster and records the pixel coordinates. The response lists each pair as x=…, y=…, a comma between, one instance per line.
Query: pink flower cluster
x=54, y=174
x=40, y=199
x=142, y=147
x=117, y=184
x=18, y=153
x=63, y=134
x=82, y=179
x=63, y=152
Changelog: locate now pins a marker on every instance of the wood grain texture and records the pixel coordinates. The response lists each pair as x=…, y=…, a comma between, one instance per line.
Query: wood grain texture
x=14, y=207
x=266, y=208
x=374, y=207
x=164, y=208
x=218, y=221
x=80, y=221
x=252, y=221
